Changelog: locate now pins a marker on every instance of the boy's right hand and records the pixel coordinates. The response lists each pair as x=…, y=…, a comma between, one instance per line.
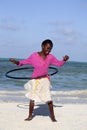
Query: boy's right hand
x=14, y=61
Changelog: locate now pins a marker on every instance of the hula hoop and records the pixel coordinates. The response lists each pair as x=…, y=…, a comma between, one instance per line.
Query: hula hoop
x=14, y=77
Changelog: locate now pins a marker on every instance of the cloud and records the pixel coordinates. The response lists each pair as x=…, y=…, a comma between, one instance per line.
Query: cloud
x=61, y=23
x=9, y=24
x=65, y=32
x=9, y=27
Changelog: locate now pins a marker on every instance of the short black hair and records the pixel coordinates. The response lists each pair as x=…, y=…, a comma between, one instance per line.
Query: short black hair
x=47, y=41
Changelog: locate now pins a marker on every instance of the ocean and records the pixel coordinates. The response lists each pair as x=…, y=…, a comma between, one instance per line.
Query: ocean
x=69, y=85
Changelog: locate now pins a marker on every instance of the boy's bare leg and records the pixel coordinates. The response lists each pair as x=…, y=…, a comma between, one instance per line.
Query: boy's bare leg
x=50, y=104
x=31, y=108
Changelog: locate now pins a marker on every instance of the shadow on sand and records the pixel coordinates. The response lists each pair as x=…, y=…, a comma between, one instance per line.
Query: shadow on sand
x=39, y=109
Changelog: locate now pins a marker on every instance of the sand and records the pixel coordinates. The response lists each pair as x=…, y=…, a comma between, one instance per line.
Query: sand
x=69, y=117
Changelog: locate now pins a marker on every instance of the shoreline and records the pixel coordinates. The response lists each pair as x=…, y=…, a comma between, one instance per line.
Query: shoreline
x=69, y=117
x=61, y=97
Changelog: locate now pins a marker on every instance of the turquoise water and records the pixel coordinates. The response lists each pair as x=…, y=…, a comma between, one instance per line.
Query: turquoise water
x=69, y=85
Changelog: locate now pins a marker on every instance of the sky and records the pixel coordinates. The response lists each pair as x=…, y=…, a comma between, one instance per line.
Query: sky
x=24, y=24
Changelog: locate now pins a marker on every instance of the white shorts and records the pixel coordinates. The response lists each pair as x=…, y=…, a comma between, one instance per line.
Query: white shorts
x=38, y=90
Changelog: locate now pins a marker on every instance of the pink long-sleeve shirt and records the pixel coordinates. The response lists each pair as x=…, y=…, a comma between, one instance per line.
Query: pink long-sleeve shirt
x=41, y=65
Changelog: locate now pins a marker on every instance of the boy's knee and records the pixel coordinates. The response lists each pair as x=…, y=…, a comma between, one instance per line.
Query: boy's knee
x=32, y=101
x=50, y=102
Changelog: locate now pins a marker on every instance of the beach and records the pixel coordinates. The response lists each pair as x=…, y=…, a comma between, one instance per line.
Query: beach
x=69, y=95
x=69, y=117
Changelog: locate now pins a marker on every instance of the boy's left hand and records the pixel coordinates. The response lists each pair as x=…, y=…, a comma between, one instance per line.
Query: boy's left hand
x=66, y=57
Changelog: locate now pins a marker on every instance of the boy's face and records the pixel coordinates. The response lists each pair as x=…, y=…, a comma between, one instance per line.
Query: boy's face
x=46, y=49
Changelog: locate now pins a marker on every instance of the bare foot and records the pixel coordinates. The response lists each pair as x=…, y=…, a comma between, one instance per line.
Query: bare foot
x=53, y=119
x=28, y=119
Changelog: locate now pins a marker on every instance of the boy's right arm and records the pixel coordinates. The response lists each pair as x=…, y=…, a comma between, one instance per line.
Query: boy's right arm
x=14, y=61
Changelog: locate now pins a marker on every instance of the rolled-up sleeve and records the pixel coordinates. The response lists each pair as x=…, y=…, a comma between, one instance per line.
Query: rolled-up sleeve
x=57, y=62
x=26, y=61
